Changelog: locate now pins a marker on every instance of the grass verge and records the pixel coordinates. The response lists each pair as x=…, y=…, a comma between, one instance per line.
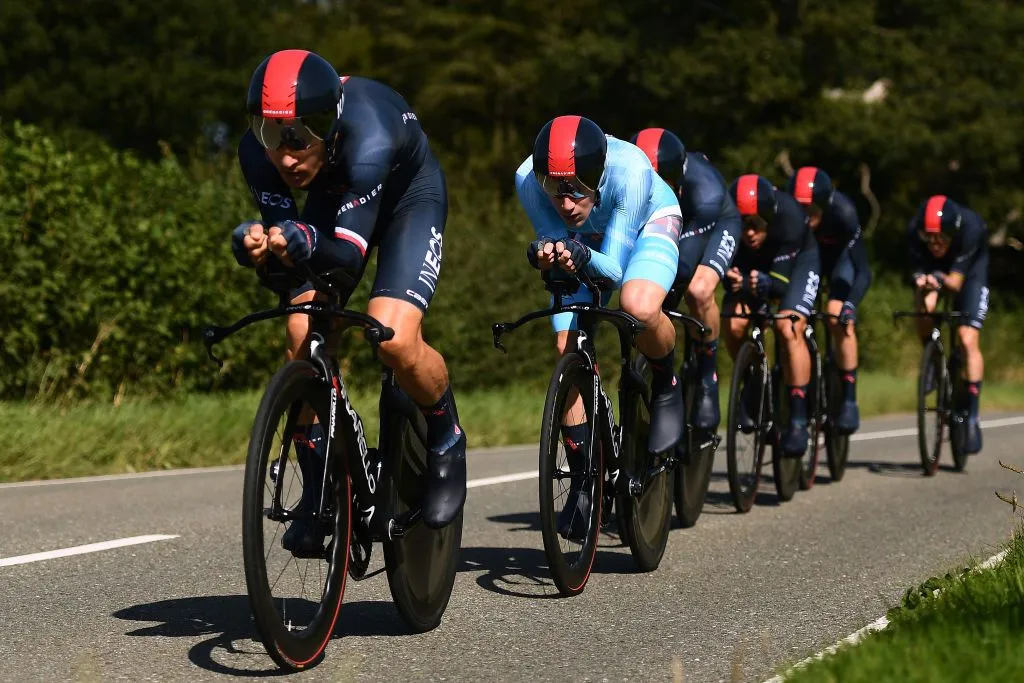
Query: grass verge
x=41, y=442
x=969, y=631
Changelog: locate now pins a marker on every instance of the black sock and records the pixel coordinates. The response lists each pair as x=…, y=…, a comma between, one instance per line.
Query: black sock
x=575, y=439
x=708, y=360
x=798, y=403
x=849, y=378
x=442, y=422
x=973, y=398
x=663, y=372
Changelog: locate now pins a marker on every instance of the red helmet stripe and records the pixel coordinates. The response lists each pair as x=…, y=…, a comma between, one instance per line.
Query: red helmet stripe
x=933, y=213
x=562, y=146
x=746, y=195
x=649, y=139
x=804, y=188
x=280, y=81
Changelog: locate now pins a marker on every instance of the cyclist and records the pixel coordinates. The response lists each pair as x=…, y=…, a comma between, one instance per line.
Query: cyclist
x=711, y=229
x=949, y=252
x=357, y=149
x=844, y=259
x=597, y=206
x=777, y=259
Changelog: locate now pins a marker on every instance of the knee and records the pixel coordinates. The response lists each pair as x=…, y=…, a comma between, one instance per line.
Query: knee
x=642, y=302
x=701, y=292
x=790, y=331
x=565, y=341
x=969, y=338
x=737, y=327
x=402, y=352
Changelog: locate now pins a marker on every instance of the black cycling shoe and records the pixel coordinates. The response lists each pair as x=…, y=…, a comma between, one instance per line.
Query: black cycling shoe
x=575, y=515
x=304, y=537
x=445, y=492
x=973, y=444
x=794, y=441
x=667, y=418
x=848, y=419
x=706, y=414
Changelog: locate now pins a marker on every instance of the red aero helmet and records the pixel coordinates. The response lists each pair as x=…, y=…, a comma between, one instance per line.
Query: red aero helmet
x=298, y=84
x=811, y=185
x=754, y=196
x=939, y=215
x=665, y=151
x=570, y=148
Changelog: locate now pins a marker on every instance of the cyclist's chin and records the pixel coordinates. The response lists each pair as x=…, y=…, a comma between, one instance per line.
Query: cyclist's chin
x=573, y=220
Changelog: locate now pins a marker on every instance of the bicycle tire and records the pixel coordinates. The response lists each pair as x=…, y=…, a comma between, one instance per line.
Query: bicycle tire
x=958, y=413
x=292, y=649
x=743, y=482
x=571, y=573
x=647, y=517
x=422, y=564
x=693, y=471
x=931, y=355
x=815, y=423
x=785, y=469
x=837, y=446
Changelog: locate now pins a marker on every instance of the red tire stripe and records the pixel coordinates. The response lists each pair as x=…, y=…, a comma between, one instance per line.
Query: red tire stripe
x=746, y=195
x=562, y=146
x=804, y=188
x=933, y=213
x=280, y=81
x=649, y=139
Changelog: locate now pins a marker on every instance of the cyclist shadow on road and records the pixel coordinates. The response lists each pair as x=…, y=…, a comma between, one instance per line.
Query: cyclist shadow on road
x=718, y=500
x=894, y=469
x=235, y=648
x=523, y=572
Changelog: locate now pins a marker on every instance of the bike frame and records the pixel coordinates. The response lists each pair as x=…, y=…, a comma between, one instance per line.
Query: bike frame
x=630, y=385
x=370, y=495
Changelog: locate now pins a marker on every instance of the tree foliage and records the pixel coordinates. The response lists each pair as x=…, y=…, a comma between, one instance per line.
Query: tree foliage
x=927, y=94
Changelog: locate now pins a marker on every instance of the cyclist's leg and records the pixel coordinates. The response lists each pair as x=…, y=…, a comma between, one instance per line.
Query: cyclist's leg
x=408, y=268
x=700, y=297
x=972, y=301
x=575, y=430
x=844, y=340
x=798, y=299
x=649, y=275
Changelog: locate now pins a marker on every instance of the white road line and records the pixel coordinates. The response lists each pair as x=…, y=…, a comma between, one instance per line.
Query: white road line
x=474, y=483
x=879, y=624
x=83, y=549
x=893, y=433
x=503, y=479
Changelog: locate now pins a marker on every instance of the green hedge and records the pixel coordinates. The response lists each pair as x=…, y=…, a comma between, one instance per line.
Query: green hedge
x=112, y=266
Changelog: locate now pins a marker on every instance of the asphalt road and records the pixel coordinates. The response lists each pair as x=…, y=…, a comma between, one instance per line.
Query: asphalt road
x=735, y=597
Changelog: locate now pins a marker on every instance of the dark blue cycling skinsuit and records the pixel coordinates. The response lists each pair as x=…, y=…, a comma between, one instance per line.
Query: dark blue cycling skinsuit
x=385, y=190
x=789, y=255
x=967, y=255
x=844, y=256
x=711, y=224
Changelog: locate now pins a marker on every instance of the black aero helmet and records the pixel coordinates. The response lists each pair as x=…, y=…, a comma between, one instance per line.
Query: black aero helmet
x=569, y=156
x=295, y=84
x=939, y=215
x=811, y=186
x=665, y=151
x=754, y=195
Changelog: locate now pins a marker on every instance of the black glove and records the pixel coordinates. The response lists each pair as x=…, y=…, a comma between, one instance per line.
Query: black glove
x=848, y=315
x=536, y=246
x=578, y=252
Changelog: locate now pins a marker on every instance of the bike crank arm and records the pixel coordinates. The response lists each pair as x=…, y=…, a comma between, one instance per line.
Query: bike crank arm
x=403, y=523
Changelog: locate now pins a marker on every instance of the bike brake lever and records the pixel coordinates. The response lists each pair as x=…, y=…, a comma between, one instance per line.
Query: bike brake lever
x=498, y=329
x=211, y=336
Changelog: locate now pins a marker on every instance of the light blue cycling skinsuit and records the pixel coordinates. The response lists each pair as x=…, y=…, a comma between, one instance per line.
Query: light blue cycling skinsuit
x=633, y=231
